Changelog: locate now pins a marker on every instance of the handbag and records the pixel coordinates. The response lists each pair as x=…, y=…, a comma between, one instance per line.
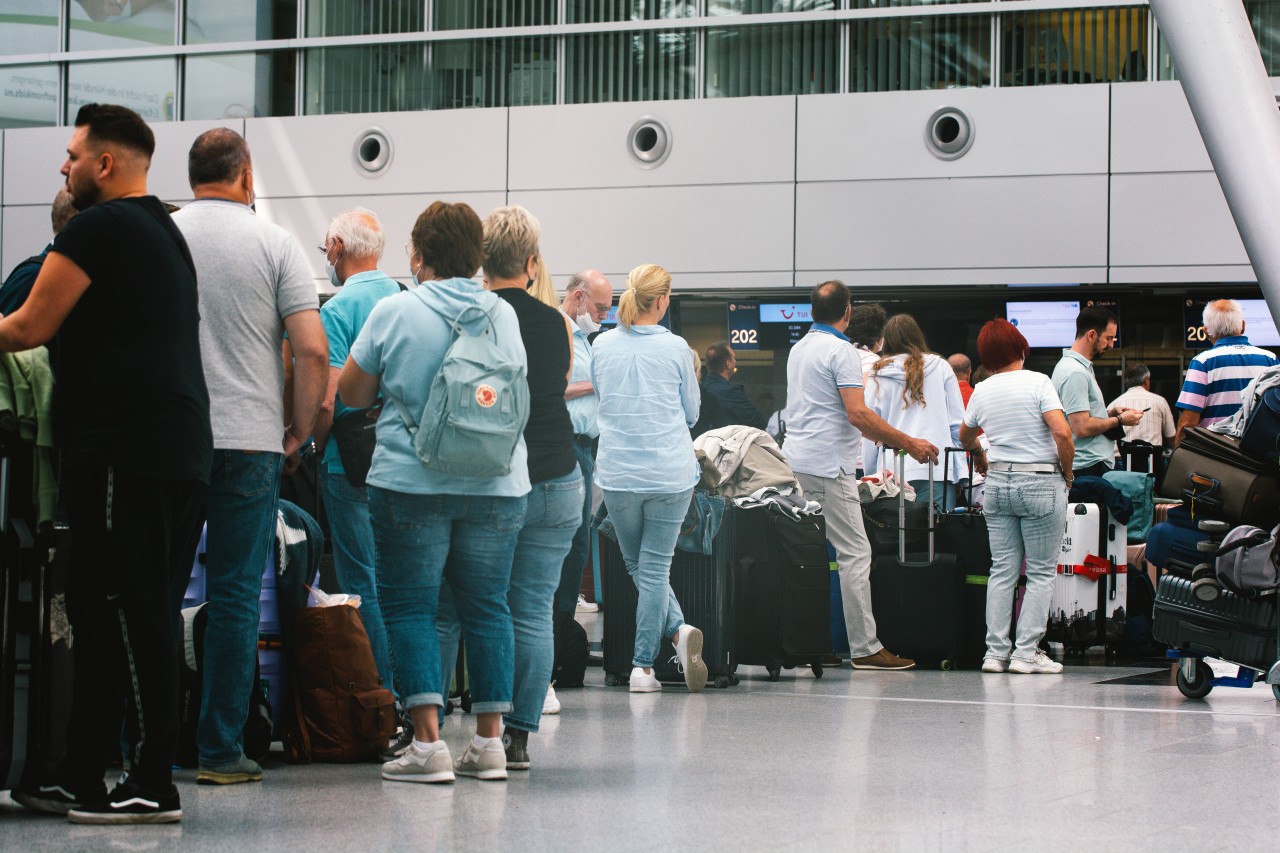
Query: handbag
x=356, y=435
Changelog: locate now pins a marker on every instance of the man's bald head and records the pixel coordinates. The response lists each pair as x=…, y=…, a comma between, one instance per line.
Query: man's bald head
x=961, y=364
x=63, y=209
x=588, y=291
x=218, y=156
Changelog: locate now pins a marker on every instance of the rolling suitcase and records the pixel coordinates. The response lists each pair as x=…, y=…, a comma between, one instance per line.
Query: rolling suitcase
x=703, y=584
x=1089, y=593
x=782, y=591
x=1171, y=541
x=1236, y=629
x=918, y=599
x=1211, y=470
x=963, y=532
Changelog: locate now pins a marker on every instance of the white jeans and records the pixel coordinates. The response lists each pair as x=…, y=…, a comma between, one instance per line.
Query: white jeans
x=839, y=499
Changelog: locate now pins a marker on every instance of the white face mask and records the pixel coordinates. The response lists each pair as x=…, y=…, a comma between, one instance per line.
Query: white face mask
x=586, y=321
x=333, y=274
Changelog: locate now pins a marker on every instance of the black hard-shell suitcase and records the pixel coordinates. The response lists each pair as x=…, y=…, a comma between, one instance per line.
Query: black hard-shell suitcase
x=919, y=600
x=703, y=584
x=963, y=532
x=1236, y=629
x=783, y=591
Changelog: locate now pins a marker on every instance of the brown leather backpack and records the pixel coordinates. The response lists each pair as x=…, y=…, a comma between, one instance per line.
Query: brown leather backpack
x=342, y=713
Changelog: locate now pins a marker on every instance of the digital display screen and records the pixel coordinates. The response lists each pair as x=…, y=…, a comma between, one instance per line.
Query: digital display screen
x=1045, y=324
x=784, y=312
x=1259, y=328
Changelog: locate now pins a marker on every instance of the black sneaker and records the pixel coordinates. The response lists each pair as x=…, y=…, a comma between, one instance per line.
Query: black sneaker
x=515, y=742
x=58, y=798
x=397, y=745
x=130, y=803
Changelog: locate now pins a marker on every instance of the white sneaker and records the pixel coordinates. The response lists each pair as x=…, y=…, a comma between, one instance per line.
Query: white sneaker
x=585, y=606
x=644, y=682
x=1040, y=664
x=488, y=763
x=550, y=705
x=990, y=664
x=689, y=656
x=416, y=765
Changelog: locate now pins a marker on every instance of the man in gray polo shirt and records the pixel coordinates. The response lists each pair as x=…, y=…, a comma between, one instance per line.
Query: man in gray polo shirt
x=254, y=285
x=1081, y=397
x=827, y=420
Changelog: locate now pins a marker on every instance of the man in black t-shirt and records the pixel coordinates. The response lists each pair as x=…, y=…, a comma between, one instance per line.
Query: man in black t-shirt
x=131, y=411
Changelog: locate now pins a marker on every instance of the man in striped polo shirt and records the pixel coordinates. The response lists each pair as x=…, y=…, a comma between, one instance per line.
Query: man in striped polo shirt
x=1211, y=391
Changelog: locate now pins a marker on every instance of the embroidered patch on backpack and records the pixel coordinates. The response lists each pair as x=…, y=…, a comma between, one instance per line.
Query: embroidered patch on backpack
x=486, y=396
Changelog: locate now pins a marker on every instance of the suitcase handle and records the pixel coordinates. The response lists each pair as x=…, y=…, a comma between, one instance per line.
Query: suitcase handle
x=900, y=462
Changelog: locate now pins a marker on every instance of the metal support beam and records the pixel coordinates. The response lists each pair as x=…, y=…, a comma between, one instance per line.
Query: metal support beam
x=1226, y=84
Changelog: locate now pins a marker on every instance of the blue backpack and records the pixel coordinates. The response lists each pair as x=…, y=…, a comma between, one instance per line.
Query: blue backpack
x=477, y=408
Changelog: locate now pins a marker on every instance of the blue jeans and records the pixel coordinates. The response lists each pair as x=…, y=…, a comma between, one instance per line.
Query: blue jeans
x=352, y=537
x=944, y=493
x=1026, y=517
x=571, y=570
x=240, y=507
x=647, y=526
x=549, y=524
x=420, y=541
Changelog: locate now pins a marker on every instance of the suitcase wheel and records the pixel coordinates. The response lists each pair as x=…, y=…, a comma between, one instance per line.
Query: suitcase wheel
x=774, y=672
x=945, y=665
x=1275, y=691
x=611, y=680
x=816, y=666
x=723, y=681
x=1198, y=686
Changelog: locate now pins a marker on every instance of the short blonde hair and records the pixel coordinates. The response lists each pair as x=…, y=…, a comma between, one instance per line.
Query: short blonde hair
x=645, y=285
x=543, y=290
x=511, y=235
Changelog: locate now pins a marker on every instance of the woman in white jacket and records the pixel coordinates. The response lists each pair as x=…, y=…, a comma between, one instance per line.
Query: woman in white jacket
x=916, y=392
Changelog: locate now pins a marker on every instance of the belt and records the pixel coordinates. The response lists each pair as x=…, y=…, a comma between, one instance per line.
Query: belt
x=583, y=440
x=1025, y=467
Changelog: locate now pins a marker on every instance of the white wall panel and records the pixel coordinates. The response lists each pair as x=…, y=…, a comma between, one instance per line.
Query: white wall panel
x=1172, y=220
x=309, y=218
x=24, y=231
x=948, y=225
x=1040, y=130
x=730, y=140
x=33, y=158
x=455, y=151
x=742, y=232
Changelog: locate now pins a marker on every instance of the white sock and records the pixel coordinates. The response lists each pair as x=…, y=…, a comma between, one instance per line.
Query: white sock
x=482, y=742
x=423, y=746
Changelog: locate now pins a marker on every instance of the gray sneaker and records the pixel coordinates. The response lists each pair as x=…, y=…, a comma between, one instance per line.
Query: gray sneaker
x=416, y=765
x=1041, y=664
x=243, y=769
x=488, y=763
x=516, y=744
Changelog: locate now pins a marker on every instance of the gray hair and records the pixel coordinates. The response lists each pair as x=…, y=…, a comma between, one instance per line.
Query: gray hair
x=577, y=282
x=1136, y=375
x=1223, y=318
x=360, y=232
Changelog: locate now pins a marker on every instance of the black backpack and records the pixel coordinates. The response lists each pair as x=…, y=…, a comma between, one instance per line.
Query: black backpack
x=572, y=652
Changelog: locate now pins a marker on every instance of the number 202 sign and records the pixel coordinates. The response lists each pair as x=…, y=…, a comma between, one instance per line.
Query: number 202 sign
x=744, y=325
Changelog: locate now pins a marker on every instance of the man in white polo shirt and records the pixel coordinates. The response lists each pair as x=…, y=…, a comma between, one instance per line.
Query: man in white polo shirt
x=827, y=421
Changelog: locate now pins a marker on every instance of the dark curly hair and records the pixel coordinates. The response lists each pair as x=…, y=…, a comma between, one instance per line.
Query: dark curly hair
x=450, y=239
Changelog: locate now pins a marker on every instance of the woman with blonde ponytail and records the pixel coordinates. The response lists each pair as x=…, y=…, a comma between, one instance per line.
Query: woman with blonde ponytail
x=917, y=392
x=649, y=398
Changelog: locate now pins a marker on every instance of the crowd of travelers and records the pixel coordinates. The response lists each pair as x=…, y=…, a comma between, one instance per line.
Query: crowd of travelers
x=194, y=361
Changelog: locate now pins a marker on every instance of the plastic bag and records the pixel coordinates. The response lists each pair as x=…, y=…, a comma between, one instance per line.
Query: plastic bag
x=320, y=598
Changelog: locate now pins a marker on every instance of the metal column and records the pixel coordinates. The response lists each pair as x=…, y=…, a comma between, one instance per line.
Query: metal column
x=1226, y=84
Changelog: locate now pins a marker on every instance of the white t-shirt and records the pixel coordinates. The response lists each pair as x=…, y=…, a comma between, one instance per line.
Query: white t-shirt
x=1010, y=407
x=820, y=439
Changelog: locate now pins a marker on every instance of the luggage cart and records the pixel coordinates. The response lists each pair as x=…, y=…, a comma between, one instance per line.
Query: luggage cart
x=1196, y=678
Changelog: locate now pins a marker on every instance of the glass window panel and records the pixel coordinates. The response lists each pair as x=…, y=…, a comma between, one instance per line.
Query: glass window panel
x=493, y=73
x=368, y=17
x=239, y=85
x=644, y=66
x=1076, y=46
x=894, y=54
x=28, y=26
x=604, y=11
x=880, y=4
x=791, y=59
x=145, y=86
x=28, y=96
x=240, y=20
x=114, y=24
x=366, y=79
x=478, y=14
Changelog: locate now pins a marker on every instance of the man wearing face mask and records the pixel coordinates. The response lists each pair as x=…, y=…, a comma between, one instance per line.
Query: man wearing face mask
x=353, y=247
x=254, y=286
x=587, y=301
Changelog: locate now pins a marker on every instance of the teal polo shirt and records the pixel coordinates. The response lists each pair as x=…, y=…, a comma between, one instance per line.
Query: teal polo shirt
x=1078, y=389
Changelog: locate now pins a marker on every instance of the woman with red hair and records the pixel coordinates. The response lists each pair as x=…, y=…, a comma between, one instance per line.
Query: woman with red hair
x=1028, y=479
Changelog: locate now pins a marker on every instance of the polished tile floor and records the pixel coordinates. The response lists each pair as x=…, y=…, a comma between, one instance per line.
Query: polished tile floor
x=1101, y=758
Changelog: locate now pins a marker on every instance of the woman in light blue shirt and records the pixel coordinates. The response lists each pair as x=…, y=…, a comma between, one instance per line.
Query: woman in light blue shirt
x=649, y=397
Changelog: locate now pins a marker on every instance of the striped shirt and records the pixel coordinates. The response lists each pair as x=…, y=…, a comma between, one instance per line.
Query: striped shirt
x=1156, y=426
x=1010, y=408
x=1217, y=376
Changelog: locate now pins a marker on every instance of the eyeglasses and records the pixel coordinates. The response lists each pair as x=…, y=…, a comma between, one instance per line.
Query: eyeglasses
x=324, y=250
x=324, y=247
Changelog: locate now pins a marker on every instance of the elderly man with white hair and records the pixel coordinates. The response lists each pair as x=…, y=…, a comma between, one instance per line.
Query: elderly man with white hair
x=1215, y=378
x=353, y=246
